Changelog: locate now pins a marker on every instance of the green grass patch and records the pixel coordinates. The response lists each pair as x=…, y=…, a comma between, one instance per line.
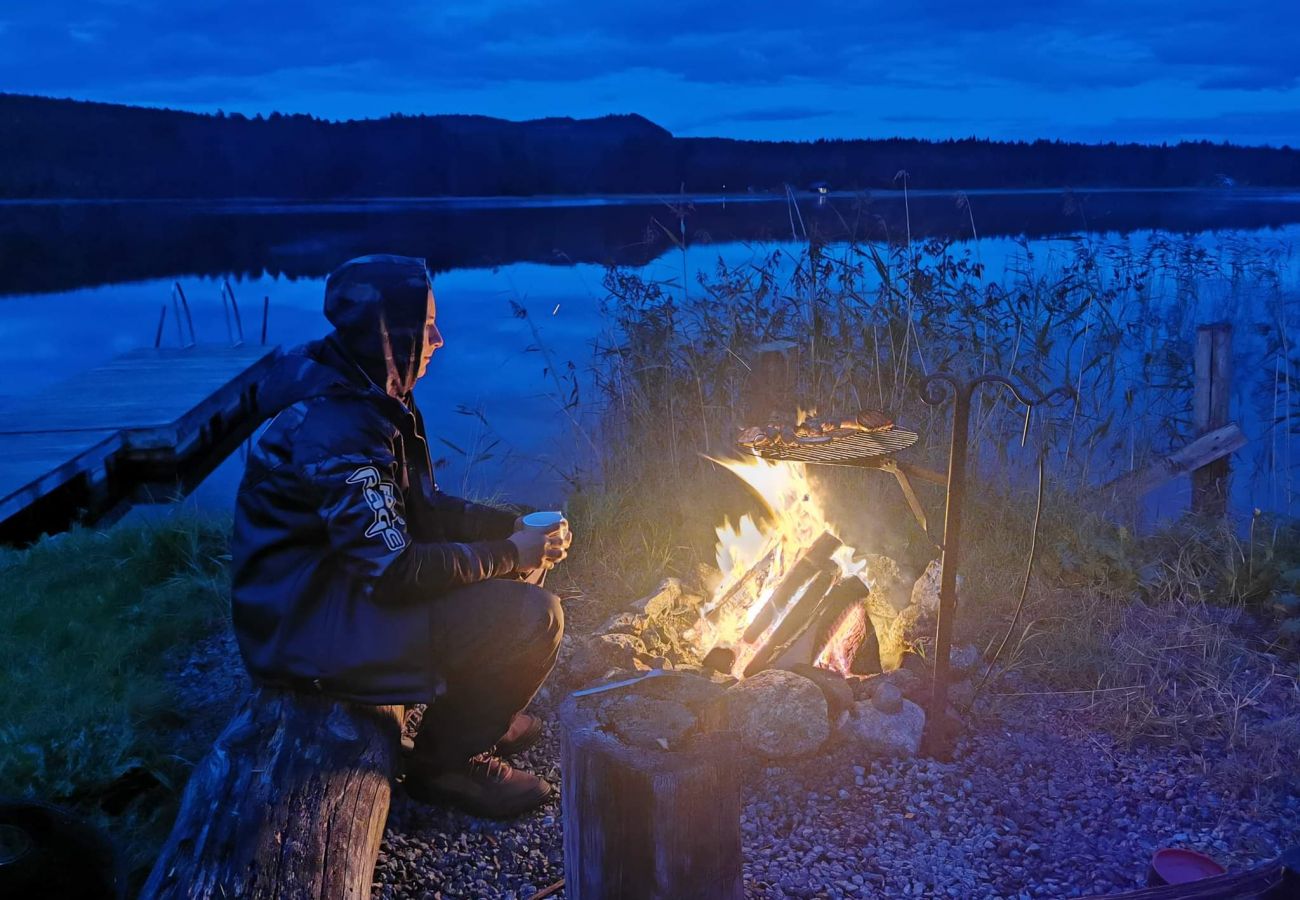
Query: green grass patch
x=90, y=623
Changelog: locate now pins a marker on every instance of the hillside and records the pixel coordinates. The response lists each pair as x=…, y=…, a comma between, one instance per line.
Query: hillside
x=67, y=148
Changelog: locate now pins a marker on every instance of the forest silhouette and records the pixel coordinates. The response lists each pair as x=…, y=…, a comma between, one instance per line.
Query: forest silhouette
x=52, y=148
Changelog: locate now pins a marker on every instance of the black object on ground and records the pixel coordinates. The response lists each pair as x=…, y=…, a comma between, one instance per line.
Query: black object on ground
x=46, y=851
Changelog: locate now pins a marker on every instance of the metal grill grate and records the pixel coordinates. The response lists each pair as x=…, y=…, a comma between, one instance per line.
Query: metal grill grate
x=846, y=449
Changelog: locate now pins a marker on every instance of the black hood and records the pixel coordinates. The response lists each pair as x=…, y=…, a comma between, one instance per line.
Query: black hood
x=378, y=306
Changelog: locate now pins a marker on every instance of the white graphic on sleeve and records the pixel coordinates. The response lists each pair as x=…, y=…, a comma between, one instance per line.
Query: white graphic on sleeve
x=381, y=497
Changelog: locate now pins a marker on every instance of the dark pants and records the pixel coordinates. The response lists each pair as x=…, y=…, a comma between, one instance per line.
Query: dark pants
x=494, y=643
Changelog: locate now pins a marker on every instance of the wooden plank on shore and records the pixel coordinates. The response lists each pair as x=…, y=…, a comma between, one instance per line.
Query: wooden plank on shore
x=34, y=465
x=1205, y=449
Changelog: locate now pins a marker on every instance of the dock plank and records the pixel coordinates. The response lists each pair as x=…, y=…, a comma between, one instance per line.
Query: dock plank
x=145, y=393
x=163, y=409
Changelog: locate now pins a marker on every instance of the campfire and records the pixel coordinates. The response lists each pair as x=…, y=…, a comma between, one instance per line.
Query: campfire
x=791, y=592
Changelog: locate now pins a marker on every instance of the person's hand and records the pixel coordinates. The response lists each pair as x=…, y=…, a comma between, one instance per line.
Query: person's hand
x=537, y=549
x=553, y=554
x=558, y=548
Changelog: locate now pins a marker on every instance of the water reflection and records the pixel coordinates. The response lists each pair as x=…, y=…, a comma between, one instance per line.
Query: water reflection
x=58, y=246
x=82, y=282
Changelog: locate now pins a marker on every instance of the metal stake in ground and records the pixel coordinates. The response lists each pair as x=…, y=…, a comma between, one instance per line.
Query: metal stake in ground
x=934, y=391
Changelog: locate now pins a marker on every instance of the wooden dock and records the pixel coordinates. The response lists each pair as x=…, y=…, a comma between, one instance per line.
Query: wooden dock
x=155, y=420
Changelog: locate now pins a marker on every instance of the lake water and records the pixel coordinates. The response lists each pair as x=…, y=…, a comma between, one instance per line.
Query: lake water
x=80, y=282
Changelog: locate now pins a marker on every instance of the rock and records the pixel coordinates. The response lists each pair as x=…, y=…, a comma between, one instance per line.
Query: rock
x=665, y=597
x=838, y=693
x=883, y=733
x=887, y=698
x=964, y=660
x=624, y=623
x=863, y=688
x=888, y=588
x=913, y=626
x=778, y=714
x=620, y=644
x=594, y=655
x=708, y=674
x=706, y=579
x=925, y=593
x=694, y=691
x=720, y=659
x=908, y=681
x=646, y=721
x=912, y=686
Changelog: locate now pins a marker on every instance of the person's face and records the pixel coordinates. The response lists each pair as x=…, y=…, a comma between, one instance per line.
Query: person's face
x=432, y=337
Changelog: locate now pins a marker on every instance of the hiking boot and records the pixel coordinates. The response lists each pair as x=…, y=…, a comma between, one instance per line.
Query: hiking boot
x=525, y=731
x=484, y=785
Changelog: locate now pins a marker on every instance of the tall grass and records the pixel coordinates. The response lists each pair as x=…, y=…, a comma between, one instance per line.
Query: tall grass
x=857, y=325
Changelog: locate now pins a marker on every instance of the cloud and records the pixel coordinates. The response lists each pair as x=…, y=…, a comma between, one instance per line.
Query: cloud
x=1256, y=78
x=775, y=114
x=748, y=67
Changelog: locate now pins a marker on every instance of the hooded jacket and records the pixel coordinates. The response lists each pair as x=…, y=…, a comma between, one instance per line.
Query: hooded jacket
x=341, y=535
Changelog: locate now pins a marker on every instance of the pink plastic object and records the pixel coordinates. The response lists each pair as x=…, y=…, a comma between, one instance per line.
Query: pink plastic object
x=1174, y=865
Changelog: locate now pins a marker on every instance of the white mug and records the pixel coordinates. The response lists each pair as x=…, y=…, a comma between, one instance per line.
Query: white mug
x=547, y=521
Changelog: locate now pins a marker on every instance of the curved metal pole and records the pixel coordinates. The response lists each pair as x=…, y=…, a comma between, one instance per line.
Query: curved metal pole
x=935, y=389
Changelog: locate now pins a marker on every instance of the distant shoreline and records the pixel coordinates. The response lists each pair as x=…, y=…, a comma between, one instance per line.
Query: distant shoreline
x=507, y=201
x=67, y=149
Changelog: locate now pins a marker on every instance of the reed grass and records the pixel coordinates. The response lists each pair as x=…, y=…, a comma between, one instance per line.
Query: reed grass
x=862, y=323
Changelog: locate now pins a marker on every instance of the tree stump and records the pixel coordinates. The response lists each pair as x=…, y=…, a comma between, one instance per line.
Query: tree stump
x=645, y=823
x=290, y=802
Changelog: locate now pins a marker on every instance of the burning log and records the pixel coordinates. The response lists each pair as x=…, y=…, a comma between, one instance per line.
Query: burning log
x=793, y=624
x=810, y=626
x=866, y=658
x=739, y=594
x=841, y=606
x=290, y=802
x=815, y=559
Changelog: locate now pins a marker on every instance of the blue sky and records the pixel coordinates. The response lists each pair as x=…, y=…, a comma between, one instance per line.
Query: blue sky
x=1089, y=70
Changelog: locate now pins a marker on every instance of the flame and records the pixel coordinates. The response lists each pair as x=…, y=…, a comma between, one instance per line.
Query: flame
x=794, y=517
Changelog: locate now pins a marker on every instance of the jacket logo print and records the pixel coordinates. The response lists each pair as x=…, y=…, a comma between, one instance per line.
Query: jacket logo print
x=381, y=497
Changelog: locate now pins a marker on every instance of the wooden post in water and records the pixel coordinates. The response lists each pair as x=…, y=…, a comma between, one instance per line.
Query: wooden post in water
x=1209, y=412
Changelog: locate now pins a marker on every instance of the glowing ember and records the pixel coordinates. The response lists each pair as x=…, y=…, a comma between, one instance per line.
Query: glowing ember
x=754, y=556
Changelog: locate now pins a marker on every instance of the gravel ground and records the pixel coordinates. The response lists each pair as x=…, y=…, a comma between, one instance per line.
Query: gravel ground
x=433, y=852
x=1034, y=804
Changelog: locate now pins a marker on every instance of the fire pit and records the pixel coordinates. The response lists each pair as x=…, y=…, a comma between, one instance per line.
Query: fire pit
x=761, y=666
x=789, y=591
x=784, y=652
x=794, y=593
